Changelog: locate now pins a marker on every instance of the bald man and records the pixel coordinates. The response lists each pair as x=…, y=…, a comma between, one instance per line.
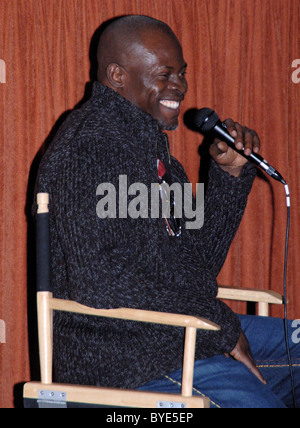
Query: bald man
x=110, y=250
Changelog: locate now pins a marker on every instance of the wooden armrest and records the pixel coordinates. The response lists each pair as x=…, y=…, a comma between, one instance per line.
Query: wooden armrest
x=47, y=304
x=135, y=315
x=250, y=295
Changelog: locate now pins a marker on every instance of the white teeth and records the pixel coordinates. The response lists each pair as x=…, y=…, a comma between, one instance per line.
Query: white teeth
x=170, y=104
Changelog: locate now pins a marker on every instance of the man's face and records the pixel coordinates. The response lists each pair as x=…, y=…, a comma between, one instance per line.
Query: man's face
x=155, y=77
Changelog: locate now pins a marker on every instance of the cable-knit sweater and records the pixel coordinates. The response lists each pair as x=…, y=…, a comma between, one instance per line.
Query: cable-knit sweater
x=126, y=262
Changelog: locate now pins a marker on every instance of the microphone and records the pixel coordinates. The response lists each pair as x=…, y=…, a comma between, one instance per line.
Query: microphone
x=208, y=123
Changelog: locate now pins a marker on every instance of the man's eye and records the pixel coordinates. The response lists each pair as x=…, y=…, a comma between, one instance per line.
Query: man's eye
x=164, y=75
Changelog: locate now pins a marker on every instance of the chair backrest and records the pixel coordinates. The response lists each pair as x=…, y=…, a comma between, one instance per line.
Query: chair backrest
x=43, y=260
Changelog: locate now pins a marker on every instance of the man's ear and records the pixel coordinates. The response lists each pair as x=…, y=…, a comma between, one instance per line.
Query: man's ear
x=115, y=75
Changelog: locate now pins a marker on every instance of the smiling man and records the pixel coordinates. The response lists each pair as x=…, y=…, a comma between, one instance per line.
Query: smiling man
x=145, y=67
x=149, y=262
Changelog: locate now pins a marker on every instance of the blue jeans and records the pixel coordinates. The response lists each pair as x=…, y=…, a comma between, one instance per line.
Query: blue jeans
x=229, y=384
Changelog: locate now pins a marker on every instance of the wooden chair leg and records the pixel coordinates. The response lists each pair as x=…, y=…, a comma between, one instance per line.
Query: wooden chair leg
x=189, y=361
x=45, y=327
x=263, y=309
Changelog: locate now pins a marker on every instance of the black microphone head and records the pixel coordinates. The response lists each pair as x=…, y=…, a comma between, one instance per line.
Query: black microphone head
x=206, y=119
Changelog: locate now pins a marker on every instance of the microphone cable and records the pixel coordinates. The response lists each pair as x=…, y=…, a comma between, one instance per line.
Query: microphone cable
x=286, y=333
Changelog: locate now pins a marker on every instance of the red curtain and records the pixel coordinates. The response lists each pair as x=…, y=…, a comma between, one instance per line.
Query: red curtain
x=240, y=55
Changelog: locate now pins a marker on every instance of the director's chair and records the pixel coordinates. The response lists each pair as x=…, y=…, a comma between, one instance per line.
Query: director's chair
x=47, y=394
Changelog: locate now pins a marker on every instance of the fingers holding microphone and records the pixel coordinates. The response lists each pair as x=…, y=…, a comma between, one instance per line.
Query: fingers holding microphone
x=245, y=138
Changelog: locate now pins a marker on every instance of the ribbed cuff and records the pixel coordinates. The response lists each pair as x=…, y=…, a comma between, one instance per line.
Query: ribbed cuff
x=240, y=186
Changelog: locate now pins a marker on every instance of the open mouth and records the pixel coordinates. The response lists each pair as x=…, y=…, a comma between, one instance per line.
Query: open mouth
x=173, y=105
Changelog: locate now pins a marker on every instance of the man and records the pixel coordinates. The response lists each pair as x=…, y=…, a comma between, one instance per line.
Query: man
x=108, y=259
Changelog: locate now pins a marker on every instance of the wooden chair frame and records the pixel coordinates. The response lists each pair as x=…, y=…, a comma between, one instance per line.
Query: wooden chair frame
x=49, y=394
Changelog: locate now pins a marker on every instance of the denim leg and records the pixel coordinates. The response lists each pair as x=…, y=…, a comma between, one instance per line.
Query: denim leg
x=229, y=384
x=267, y=340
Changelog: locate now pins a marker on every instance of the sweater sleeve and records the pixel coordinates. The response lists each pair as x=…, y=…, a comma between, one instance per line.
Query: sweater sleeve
x=225, y=203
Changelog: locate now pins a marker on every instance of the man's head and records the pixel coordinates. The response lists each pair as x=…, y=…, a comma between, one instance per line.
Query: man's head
x=141, y=59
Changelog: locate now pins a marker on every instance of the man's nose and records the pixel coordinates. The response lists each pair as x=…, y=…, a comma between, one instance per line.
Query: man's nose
x=179, y=85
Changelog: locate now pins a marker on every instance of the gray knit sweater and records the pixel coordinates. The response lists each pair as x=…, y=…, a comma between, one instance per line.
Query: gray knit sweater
x=112, y=263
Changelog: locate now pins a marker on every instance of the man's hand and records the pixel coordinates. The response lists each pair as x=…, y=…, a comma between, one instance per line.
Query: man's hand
x=242, y=353
x=228, y=159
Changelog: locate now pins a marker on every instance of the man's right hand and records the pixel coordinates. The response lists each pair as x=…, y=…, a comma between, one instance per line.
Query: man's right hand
x=242, y=353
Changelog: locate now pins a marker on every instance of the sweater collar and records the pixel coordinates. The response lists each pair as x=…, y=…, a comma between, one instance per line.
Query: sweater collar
x=132, y=116
x=132, y=120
